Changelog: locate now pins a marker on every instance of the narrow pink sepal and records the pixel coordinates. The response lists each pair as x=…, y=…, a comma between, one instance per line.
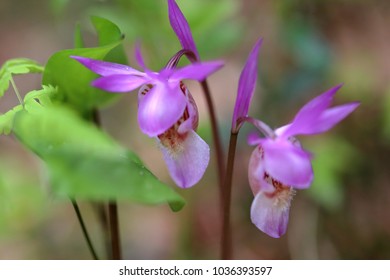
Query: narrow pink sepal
x=119, y=83
x=105, y=68
x=196, y=71
x=306, y=119
x=181, y=27
x=246, y=85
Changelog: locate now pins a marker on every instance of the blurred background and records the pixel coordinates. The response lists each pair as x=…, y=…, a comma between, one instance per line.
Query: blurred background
x=309, y=46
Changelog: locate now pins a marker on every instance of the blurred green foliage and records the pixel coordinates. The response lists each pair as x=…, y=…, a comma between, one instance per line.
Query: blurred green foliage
x=214, y=24
x=332, y=155
x=16, y=66
x=52, y=122
x=73, y=79
x=85, y=163
x=22, y=202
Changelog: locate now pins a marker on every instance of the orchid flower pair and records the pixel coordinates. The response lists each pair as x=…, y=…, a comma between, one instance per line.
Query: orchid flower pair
x=279, y=165
x=166, y=108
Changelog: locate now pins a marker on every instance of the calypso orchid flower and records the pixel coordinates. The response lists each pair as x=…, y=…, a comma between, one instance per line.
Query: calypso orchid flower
x=279, y=165
x=166, y=110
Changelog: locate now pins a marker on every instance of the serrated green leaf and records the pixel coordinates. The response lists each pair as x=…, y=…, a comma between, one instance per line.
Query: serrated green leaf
x=7, y=119
x=34, y=100
x=86, y=163
x=43, y=96
x=16, y=66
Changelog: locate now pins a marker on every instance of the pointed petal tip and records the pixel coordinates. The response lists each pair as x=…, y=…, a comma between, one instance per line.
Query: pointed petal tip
x=81, y=59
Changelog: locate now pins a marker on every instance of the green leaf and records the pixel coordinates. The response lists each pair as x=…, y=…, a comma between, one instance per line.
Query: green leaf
x=22, y=199
x=108, y=32
x=16, y=66
x=86, y=163
x=99, y=177
x=7, y=119
x=73, y=79
x=43, y=96
x=32, y=101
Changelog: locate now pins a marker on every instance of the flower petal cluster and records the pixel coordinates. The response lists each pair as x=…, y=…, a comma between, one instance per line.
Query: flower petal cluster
x=166, y=110
x=165, y=103
x=278, y=165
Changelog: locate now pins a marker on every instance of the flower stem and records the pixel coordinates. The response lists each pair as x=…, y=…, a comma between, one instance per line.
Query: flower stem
x=100, y=209
x=84, y=229
x=114, y=226
x=16, y=91
x=216, y=137
x=226, y=241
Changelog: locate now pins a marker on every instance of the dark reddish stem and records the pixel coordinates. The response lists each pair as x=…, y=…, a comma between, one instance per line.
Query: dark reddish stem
x=114, y=226
x=226, y=242
x=84, y=229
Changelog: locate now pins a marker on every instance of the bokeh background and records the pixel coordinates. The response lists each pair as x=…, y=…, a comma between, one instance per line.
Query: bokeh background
x=309, y=46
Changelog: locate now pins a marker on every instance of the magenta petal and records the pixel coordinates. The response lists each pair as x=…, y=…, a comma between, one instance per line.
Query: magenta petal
x=187, y=165
x=332, y=116
x=105, y=68
x=246, y=85
x=119, y=83
x=305, y=120
x=287, y=163
x=160, y=108
x=196, y=71
x=182, y=29
x=268, y=216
